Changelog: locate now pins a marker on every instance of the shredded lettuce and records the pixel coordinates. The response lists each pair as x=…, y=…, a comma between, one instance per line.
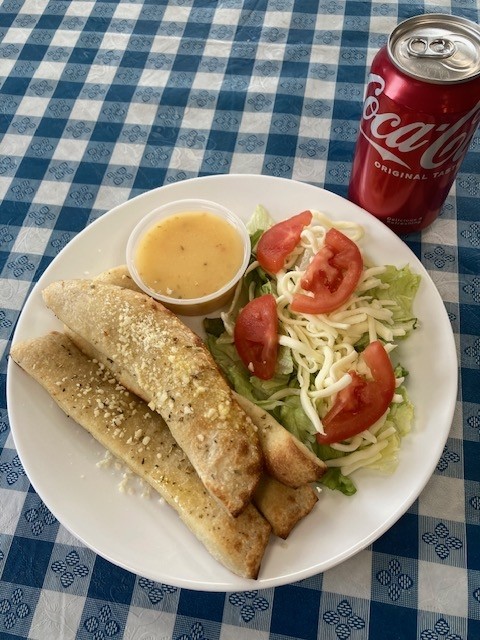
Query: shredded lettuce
x=260, y=221
x=293, y=417
x=335, y=480
x=402, y=287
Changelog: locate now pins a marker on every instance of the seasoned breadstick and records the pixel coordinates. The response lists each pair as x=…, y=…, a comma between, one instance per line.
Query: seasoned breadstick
x=140, y=438
x=177, y=376
x=286, y=458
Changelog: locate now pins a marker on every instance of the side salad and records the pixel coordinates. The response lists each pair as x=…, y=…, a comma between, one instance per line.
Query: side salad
x=308, y=337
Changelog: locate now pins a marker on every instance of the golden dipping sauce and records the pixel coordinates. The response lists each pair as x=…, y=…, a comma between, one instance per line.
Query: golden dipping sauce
x=189, y=255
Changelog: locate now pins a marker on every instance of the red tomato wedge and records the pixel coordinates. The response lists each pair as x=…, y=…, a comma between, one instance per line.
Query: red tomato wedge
x=278, y=242
x=363, y=402
x=332, y=275
x=256, y=336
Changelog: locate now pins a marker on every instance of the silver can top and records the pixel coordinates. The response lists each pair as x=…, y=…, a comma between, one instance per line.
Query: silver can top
x=437, y=48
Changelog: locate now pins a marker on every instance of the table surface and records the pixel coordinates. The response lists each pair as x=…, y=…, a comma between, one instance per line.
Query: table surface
x=102, y=101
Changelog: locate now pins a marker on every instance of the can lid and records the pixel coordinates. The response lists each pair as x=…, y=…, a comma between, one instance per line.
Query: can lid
x=437, y=48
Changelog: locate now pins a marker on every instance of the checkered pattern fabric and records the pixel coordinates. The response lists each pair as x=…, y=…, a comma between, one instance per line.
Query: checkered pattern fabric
x=101, y=101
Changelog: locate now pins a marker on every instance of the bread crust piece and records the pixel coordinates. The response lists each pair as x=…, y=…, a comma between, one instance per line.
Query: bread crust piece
x=283, y=506
x=286, y=458
x=177, y=376
x=120, y=276
x=140, y=438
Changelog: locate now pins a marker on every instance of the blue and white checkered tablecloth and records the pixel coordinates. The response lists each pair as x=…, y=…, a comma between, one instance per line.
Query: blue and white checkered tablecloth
x=102, y=101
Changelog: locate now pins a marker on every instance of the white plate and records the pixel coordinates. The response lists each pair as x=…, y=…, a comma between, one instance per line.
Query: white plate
x=145, y=536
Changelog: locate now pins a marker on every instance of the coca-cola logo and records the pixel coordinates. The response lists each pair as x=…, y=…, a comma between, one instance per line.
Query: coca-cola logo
x=394, y=139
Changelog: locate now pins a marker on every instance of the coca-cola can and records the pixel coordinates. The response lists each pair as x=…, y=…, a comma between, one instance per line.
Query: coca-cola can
x=421, y=109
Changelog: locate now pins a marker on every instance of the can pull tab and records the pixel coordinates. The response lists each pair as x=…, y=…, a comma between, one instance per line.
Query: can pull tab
x=424, y=47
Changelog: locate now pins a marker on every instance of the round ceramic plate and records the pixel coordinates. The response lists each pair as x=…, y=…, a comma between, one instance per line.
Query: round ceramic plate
x=143, y=534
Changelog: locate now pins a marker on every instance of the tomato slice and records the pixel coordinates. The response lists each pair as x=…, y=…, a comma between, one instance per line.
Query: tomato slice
x=256, y=336
x=363, y=402
x=276, y=244
x=332, y=275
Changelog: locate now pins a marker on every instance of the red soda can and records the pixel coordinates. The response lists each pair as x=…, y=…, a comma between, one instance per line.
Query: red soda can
x=421, y=109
